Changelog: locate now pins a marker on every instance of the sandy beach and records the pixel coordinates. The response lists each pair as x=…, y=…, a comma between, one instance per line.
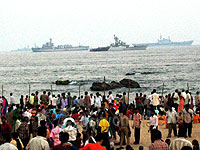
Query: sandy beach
x=145, y=140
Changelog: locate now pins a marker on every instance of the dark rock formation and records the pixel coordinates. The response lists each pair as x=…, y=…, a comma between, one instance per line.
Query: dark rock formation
x=115, y=85
x=129, y=82
x=99, y=86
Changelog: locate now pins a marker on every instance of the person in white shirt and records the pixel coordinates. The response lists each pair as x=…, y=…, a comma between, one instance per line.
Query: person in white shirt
x=54, y=100
x=71, y=130
x=8, y=146
x=176, y=100
x=50, y=98
x=98, y=101
x=183, y=94
x=111, y=98
x=12, y=99
x=39, y=142
x=188, y=98
x=179, y=143
x=172, y=120
x=153, y=125
x=92, y=99
x=27, y=114
x=155, y=99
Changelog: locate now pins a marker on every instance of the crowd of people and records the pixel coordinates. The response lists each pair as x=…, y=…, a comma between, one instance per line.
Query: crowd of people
x=62, y=122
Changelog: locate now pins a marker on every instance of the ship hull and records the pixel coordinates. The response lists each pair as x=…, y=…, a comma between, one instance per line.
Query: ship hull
x=124, y=48
x=86, y=48
x=47, y=50
x=185, y=43
x=135, y=48
x=78, y=48
x=100, y=49
x=119, y=48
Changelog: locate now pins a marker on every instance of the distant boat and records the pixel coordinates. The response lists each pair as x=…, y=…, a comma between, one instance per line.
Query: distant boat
x=49, y=47
x=122, y=46
x=25, y=49
x=99, y=49
x=166, y=42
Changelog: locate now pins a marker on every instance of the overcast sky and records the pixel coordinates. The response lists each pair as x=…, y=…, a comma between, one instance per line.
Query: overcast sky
x=93, y=23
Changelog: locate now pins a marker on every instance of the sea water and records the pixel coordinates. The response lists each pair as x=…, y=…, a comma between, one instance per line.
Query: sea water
x=174, y=66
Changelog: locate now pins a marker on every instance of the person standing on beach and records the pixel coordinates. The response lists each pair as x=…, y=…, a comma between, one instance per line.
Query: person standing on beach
x=4, y=106
x=36, y=98
x=187, y=120
x=176, y=99
x=183, y=94
x=110, y=97
x=70, y=99
x=23, y=131
x=5, y=129
x=39, y=142
x=155, y=100
x=44, y=98
x=153, y=125
x=125, y=98
x=87, y=100
x=188, y=98
x=172, y=120
x=181, y=102
x=98, y=100
x=64, y=101
x=12, y=99
x=137, y=124
x=22, y=101
x=81, y=102
x=197, y=99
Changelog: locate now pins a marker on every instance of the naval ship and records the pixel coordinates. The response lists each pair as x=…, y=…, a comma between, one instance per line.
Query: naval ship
x=122, y=46
x=166, y=42
x=49, y=47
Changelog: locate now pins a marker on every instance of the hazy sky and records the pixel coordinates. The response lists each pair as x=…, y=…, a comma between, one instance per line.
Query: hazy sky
x=92, y=22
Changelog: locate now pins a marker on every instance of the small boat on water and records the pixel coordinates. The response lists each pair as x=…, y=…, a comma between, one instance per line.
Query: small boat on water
x=100, y=49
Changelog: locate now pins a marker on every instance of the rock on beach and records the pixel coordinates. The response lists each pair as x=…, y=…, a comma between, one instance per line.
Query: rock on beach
x=99, y=86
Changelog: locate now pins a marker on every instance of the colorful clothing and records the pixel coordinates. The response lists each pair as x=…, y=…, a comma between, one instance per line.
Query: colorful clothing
x=181, y=104
x=104, y=124
x=137, y=120
x=55, y=135
x=93, y=146
x=4, y=107
x=159, y=145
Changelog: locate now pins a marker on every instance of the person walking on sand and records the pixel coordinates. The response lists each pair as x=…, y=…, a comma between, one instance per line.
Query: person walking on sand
x=153, y=125
x=137, y=124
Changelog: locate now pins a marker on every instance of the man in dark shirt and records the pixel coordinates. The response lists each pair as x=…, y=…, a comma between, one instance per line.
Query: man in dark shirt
x=64, y=137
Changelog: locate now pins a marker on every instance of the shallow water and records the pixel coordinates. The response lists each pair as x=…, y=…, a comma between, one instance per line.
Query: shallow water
x=175, y=66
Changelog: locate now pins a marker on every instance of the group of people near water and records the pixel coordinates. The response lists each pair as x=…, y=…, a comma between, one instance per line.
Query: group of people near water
x=95, y=121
